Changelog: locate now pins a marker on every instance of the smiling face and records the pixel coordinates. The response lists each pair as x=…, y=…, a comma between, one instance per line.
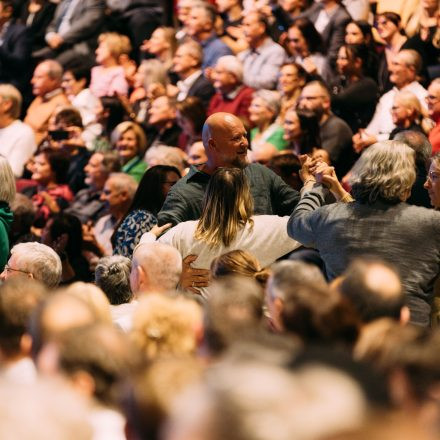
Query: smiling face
x=41, y=82
x=401, y=74
x=42, y=171
x=259, y=112
x=353, y=34
x=127, y=146
x=158, y=43
x=432, y=184
x=386, y=28
x=297, y=43
x=103, y=53
x=289, y=81
x=95, y=172
x=292, y=126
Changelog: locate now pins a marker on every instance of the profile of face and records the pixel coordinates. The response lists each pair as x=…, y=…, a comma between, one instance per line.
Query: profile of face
x=229, y=143
x=433, y=100
x=161, y=111
x=95, y=172
x=170, y=179
x=386, y=28
x=41, y=82
x=127, y=146
x=401, y=113
x=259, y=112
x=185, y=124
x=42, y=171
x=197, y=154
x=353, y=34
x=103, y=52
x=297, y=43
x=183, y=61
x=158, y=43
x=291, y=126
x=432, y=184
x=112, y=194
x=223, y=80
x=343, y=62
x=289, y=81
x=253, y=29
x=70, y=85
x=13, y=269
x=400, y=73
x=198, y=22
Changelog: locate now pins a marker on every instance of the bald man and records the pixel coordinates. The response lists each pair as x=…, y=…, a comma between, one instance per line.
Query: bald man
x=226, y=145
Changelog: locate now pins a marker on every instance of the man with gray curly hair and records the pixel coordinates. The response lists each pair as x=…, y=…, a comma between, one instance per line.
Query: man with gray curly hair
x=232, y=96
x=36, y=261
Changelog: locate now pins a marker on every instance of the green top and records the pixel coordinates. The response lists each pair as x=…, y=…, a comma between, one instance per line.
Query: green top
x=135, y=168
x=6, y=218
x=272, y=135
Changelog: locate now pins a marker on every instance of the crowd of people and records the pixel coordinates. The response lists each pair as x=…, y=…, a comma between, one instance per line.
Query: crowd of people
x=219, y=219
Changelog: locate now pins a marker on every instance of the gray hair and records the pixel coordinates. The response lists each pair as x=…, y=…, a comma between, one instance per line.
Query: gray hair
x=9, y=93
x=271, y=98
x=418, y=142
x=194, y=49
x=412, y=59
x=162, y=262
x=7, y=186
x=112, y=275
x=154, y=71
x=385, y=170
x=125, y=182
x=232, y=65
x=165, y=155
x=286, y=273
x=39, y=260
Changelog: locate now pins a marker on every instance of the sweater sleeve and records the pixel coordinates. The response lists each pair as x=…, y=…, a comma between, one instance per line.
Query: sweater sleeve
x=301, y=225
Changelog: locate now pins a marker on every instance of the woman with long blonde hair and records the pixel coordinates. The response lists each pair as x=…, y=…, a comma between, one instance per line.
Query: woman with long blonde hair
x=227, y=223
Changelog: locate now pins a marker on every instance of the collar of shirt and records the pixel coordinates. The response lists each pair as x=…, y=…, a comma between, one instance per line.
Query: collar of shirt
x=266, y=43
x=49, y=95
x=232, y=95
x=186, y=84
x=208, y=40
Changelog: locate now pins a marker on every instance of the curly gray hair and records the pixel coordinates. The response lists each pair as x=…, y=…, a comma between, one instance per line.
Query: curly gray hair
x=112, y=275
x=385, y=170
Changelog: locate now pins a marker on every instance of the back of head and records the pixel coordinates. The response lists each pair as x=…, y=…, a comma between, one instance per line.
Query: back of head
x=234, y=308
x=161, y=263
x=386, y=171
x=112, y=275
x=9, y=93
x=7, y=187
x=39, y=260
x=227, y=207
x=374, y=289
x=19, y=298
x=164, y=326
x=239, y=263
x=319, y=316
x=418, y=142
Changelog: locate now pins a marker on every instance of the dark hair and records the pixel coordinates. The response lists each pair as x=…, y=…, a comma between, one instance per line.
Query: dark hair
x=149, y=195
x=80, y=67
x=193, y=109
x=310, y=131
x=310, y=34
x=64, y=223
x=59, y=162
x=391, y=16
x=355, y=51
x=365, y=28
x=116, y=113
x=69, y=117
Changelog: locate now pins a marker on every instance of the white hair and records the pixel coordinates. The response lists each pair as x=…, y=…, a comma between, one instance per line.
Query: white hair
x=162, y=263
x=40, y=260
x=7, y=185
x=123, y=181
x=165, y=155
x=232, y=65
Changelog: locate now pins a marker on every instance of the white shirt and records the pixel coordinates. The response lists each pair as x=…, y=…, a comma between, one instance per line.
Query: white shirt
x=186, y=84
x=382, y=124
x=17, y=145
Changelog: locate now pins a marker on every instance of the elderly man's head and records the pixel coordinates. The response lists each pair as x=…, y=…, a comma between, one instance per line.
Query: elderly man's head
x=433, y=99
x=255, y=28
x=228, y=74
x=156, y=267
x=225, y=141
x=405, y=67
x=47, y=77
x=36, y=261
x=201, y=20
x=187, y=59
x=99, y=167
x=118, y=192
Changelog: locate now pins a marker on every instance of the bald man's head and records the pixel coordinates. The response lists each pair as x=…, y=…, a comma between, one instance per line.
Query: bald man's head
x=225, y=140
x=374, y=288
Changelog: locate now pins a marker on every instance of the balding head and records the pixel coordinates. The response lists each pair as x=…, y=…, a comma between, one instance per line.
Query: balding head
x=225, y=140
x=374, y=288
x=47, y=77
x=156, y=267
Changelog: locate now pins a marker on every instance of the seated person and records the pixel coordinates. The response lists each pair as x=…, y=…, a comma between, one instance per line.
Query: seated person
x=406, y=113
x=49, y=191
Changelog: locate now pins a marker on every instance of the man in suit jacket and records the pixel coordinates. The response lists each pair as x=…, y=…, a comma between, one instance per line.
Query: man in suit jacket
x=330, y=19
x=73, y=30
x=187, y=64
x=14, y=49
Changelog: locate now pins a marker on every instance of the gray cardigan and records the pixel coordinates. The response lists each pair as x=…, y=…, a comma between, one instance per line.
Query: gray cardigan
x=406, y=236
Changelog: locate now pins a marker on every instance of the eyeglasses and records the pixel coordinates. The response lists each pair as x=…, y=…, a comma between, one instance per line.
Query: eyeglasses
x=432, y=98
x=10, y=269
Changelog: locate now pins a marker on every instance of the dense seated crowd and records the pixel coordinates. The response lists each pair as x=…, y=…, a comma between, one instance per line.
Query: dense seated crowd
x=219, y=219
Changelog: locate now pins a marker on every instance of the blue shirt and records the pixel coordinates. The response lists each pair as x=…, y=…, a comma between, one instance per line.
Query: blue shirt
x=213, y=49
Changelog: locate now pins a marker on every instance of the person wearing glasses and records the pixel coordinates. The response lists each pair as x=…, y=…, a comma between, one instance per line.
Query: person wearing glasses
x=433, y=102
x=432, y=184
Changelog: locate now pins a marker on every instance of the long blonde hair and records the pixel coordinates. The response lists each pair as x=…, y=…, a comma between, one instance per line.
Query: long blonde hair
x=227, y=207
